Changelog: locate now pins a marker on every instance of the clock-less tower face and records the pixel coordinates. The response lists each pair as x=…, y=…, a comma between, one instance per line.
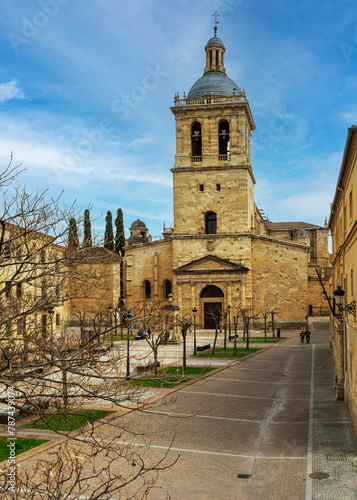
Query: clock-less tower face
x=213, y=179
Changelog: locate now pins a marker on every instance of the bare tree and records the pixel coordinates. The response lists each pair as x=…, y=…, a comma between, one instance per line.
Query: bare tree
x=184, y=323
x=265, y=313
x=247, y=316
x=216, y=316
x=51, y=366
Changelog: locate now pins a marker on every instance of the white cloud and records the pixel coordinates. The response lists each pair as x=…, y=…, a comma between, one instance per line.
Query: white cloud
x=10, y=90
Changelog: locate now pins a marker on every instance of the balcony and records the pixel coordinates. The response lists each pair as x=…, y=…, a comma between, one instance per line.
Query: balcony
x=223, y=157
x=196, y=159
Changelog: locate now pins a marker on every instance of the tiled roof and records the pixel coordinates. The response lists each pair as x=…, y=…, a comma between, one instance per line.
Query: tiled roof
x=99, y=253
x=292, y=225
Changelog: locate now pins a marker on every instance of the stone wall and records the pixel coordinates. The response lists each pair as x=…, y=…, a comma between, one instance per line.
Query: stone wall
x=280, y=280
x=351, y=370
x=151, y=262
x=229, y=192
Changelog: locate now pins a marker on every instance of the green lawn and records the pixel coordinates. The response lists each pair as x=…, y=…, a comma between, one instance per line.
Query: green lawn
x=170, y=376
x=270, y=340
x=75, y=420
x=22, y=444
x=229, y=352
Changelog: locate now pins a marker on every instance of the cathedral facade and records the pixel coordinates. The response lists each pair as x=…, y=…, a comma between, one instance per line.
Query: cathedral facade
x=222, y=251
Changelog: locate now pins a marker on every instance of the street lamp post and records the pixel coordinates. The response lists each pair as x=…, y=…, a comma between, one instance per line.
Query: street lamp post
x=194, y=311
x=110, y=310
x=144, y=306
x=229, y=323
x=51, y=313
x=129, y=316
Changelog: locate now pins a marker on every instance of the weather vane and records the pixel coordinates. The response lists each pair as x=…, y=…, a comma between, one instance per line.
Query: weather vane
x=215, y=15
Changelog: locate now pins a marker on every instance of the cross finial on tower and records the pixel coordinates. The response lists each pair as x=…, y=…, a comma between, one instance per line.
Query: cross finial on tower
x=215, y=15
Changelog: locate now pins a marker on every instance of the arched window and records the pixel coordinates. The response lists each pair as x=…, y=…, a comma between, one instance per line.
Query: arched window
x=211, y=291
x=211, y=223
x=223, y=139
x=167, y=289
x=147, y=289
x=196, y=140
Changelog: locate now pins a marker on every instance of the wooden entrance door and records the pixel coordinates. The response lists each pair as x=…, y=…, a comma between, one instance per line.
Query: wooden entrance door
x=211, y=309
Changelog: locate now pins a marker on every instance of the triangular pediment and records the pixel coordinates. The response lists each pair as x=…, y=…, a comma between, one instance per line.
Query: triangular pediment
x=210, y=264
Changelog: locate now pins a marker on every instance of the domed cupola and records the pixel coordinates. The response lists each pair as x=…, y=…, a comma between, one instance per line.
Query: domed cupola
x=138, y=233
x=214, y=79
x=215, y=50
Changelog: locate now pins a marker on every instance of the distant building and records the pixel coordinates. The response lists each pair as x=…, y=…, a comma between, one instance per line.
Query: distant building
x=221, y=250
x=343, y=225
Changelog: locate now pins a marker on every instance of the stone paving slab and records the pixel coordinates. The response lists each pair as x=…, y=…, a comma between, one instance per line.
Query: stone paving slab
x=255, y=418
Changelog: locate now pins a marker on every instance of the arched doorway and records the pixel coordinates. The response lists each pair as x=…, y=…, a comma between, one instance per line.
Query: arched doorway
x=212, y=301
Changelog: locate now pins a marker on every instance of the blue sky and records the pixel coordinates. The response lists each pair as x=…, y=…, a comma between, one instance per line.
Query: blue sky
x=86, y=87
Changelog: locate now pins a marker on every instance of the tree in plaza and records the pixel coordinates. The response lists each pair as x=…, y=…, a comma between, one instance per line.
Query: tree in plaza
x=265, y=313
x=216, y=316
x=87, y=234
x=109, y=235
x=73, y=240
x=53, y=370
x=119, y=233
x=247, y=315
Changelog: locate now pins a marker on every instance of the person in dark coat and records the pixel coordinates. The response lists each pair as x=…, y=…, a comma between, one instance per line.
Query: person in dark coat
x=302, y=336
x=307, y=335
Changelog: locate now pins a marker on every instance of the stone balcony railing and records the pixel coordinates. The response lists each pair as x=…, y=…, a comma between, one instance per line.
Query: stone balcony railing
x=210, y=99
x=198, y=159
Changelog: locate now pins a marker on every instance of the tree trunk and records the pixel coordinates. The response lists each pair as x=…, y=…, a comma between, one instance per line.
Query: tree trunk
x=65, y=390
x=247, y=332
x=265, y=327
x=215, y=340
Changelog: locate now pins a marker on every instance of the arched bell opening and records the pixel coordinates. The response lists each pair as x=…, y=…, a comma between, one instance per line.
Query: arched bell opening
x=223, y=140
x=196, y=142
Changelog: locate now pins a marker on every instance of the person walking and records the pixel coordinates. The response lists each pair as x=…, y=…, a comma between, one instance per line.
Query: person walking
x=302, y=336
x=307, y=335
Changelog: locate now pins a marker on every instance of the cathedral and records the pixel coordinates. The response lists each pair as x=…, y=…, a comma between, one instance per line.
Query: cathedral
x=222, y=251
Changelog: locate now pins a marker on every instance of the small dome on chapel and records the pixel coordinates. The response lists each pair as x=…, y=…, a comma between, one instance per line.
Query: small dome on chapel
x=138, y=224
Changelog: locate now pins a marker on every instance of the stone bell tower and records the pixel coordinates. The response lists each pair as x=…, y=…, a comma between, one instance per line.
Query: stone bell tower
x=213, y=178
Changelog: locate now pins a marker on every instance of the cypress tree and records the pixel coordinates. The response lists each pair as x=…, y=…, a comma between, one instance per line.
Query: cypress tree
x=109, y=235
x=87, y=238
x=73, y=242
x=119, y=233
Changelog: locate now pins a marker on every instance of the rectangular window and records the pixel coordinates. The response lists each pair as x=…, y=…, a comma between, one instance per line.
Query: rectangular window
x=57, y=320
x=19, y=290
x=351, y=283
x=218, y=187
x=202, y=188
x=8, y=289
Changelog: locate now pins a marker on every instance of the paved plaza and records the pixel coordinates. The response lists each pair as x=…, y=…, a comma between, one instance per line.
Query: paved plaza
x=255, y=428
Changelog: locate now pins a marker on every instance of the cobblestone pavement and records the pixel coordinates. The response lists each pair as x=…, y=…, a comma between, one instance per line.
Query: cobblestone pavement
x=332, y=440
x=254, y=429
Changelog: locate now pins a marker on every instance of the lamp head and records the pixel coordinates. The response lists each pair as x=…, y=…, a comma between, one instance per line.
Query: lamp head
x=339, y=293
